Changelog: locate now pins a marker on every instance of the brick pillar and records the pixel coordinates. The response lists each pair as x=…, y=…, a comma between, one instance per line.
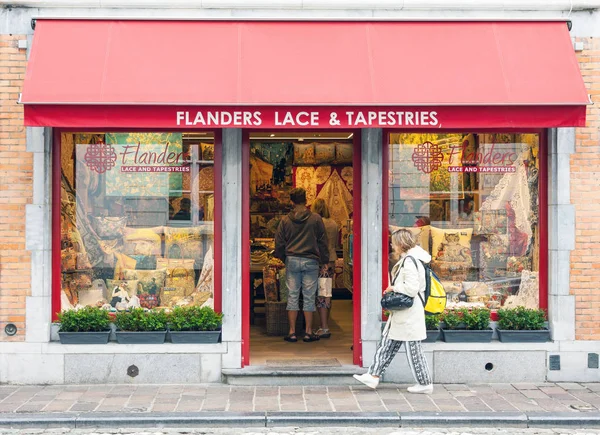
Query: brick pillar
x=16, y=189
x=585, y=196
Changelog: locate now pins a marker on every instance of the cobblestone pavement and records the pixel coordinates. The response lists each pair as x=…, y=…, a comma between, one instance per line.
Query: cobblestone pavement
x=525, y=398
x=309, y=431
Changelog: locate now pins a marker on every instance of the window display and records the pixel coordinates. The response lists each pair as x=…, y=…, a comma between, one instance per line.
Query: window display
x=472, y=202
x=137, y=215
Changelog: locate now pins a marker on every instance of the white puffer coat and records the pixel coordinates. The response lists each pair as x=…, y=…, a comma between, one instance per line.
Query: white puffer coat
x=409, y=324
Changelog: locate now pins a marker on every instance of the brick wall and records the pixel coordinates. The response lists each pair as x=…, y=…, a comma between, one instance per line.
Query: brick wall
x=16, y=189
x=585, y=196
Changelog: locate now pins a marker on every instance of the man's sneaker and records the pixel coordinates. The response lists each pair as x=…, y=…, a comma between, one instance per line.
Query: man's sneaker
x=368, y=380
x=421, y=389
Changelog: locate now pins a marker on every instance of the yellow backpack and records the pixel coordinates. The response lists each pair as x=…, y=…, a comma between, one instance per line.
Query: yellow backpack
x=435, y=294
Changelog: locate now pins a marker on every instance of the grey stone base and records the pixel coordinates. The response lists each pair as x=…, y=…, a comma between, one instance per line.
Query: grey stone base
x=53, y=363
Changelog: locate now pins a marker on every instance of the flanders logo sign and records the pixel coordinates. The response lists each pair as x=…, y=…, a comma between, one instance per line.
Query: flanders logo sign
x=100, y=157
x=427, y=157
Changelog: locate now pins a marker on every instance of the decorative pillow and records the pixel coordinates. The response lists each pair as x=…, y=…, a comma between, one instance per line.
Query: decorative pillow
x=477, y=291
x=490, y=222
x=132, y=287
x=324, y=153
x=109, y=227
x=421, y=234
x=188, y=243
x=143, y=241
x=343, y=153
x=150, y=281
x=208, y=151
x=304, y=154
x=144, y=262
x=123, y=262
x=516, y=265
x=453, y=245
x=451, y=271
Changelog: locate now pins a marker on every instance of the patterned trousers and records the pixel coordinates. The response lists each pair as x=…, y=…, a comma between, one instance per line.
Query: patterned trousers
x=388, y=349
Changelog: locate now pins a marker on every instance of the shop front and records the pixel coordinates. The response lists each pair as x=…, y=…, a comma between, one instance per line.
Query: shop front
x=173, y=159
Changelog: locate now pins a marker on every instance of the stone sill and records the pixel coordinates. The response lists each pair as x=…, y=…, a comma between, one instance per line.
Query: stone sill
x=56, y=348
x=493, y=346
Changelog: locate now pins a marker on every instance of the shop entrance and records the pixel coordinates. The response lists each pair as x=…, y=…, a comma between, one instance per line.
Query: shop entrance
x=327, y=166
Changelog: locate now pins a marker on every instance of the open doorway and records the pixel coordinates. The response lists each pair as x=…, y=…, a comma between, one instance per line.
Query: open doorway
x=323, y=164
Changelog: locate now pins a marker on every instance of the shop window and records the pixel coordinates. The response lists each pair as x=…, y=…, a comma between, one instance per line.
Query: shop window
x=137, y=219
x=471, y=200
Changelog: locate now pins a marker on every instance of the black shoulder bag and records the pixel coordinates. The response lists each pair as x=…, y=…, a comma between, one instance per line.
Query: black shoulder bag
x=395, y=301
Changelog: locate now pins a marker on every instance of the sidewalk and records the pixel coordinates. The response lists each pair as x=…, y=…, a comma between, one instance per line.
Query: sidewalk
x=500, y=405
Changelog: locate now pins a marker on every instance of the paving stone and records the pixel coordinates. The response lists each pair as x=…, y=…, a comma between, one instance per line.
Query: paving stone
x=499, y=404
x=525, y=386
x=552, y=405
x=473, y=404
x=570, y=386
x=59, y=405
x=83, y=407
x=594, y=386
x=450, y=405
x=456, y=387
x=535, y=394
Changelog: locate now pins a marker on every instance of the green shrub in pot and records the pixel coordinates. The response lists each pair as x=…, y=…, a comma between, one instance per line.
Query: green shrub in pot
x=194, y=318
x=86, y=319
x=432, y=322
x=467, y=325
x=88, y=325
x=521, y=319
x=140, y=320
x=193, y=324
x=520, y=324
x=140, y=326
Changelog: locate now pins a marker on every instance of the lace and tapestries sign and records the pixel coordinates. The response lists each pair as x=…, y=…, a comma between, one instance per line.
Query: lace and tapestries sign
x=139, y=164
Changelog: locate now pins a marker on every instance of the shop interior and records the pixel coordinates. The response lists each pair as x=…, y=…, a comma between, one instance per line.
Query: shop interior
x=321, y=163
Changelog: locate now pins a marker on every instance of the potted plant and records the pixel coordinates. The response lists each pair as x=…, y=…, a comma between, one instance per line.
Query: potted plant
x=432, y=324
x=88, y=325
x=193, y=324
x=140, y=326
x=522, y=324
x=467, y=326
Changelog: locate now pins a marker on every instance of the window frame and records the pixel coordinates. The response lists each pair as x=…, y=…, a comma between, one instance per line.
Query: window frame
x=542, y=199
x=56, y=284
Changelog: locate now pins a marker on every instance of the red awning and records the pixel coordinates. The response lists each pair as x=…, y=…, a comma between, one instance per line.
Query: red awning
x=390, y=65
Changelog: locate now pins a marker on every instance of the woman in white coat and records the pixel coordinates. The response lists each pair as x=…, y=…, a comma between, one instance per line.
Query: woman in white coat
x=405, y=326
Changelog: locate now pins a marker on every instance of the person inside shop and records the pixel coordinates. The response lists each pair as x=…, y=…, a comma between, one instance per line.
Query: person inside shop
x=184, y=213
x=406, y=326
x=326, y=276
x=301, y=242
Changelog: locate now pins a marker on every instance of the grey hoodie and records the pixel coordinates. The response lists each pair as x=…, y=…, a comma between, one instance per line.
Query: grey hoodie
x=302, y=234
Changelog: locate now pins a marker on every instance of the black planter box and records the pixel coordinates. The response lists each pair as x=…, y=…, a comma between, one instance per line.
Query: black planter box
x=538, y=336
x=84, y=337
x=467, y=336
x=194, y=337
x=150, y=337
x=433, y=335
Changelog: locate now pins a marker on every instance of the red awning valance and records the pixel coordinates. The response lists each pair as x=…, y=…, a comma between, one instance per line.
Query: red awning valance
x=366, y=65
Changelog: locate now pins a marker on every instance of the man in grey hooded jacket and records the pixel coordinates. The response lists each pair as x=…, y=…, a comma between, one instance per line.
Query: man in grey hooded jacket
x=301, y=242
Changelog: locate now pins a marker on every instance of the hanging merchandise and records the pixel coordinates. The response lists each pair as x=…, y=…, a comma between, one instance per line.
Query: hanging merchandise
x=261, y=173
x=322, y=174
x=305, y=178
x=338, y=199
